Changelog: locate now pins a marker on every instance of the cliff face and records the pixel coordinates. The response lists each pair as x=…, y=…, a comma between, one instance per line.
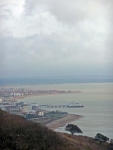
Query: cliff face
x=18, y=134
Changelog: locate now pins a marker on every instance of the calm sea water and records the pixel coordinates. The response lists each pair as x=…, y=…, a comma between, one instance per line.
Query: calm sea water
x=97, y=99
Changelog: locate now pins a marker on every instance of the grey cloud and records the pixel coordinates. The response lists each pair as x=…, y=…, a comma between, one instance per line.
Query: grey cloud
x=70, y=12
x=57, y=37
x=55, y=48
x=64, y=11
x=3, y=17
x=4, y=12
x=109, y=36
x=32, y=6
x=67, y=11
x=11, y=46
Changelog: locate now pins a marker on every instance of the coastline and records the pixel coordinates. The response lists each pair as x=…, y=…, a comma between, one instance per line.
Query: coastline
x=63, y=121
x=36, y=95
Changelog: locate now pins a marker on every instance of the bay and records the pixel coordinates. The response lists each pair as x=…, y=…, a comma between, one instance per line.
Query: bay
x=97, y=99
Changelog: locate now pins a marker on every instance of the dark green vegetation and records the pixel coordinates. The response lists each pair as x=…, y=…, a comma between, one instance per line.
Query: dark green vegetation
x=101, y=138
x=73, y=128
x=18, y=134
x=56, y=114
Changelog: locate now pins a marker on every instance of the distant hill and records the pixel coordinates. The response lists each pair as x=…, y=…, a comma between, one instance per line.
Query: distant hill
x=18, y=134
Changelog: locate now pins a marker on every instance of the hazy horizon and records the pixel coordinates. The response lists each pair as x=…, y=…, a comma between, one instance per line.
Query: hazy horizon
x=55, y=80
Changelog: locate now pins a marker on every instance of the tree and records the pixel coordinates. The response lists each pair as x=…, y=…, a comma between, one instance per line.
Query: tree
x=73, y=128
x=101, y=138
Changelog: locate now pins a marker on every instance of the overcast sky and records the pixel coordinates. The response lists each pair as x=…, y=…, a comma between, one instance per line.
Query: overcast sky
x=56, y=37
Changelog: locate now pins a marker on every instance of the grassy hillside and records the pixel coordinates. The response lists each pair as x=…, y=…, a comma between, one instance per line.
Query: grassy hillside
x=18, y=134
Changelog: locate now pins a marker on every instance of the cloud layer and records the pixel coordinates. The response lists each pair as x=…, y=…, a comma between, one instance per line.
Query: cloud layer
x=56, y=37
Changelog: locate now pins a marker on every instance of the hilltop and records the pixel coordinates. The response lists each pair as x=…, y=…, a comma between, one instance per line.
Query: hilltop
x=16, y=133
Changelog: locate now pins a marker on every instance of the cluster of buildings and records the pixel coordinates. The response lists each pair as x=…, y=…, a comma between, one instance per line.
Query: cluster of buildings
x=31, y=111
x=14, y=92
x=20, y=108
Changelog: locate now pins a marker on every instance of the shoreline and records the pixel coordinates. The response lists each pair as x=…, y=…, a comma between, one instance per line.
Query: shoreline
x=63, y=121
x=38, y=95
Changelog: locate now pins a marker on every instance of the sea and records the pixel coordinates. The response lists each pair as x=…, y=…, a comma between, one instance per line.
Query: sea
x=97, y=98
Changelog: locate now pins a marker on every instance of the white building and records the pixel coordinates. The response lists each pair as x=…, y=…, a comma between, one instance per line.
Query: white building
x=41, y=113
x=35, y=106
x=26, y=108
x=0, y=99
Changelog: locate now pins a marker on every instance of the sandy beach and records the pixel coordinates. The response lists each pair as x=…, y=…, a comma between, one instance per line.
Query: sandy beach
x=63, y=121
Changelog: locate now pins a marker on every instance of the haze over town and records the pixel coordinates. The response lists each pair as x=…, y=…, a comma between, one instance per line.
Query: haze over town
x=56, y=38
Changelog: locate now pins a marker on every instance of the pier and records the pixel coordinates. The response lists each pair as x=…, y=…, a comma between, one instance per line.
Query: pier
x=72, y=105
x=53, y=106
